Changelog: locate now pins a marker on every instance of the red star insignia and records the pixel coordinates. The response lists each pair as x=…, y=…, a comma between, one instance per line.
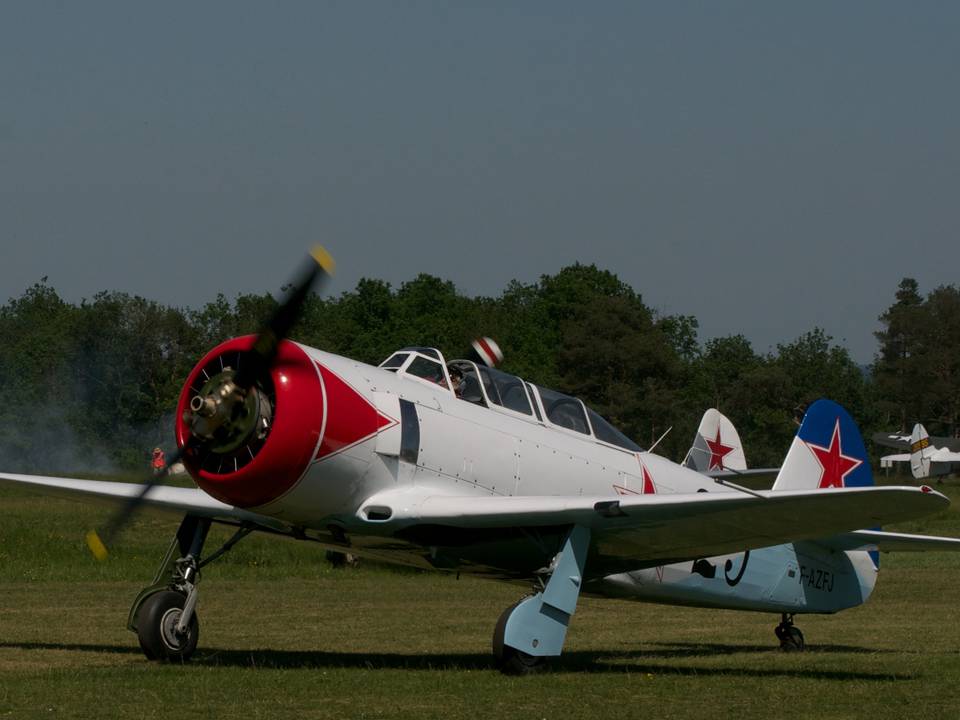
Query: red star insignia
x=836, y=466
x=718, y=451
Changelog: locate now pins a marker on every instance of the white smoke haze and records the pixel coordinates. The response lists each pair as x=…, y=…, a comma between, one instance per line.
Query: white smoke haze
x=44, y=441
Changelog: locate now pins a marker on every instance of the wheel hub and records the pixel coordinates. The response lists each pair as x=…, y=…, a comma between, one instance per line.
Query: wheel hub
x=168, y=630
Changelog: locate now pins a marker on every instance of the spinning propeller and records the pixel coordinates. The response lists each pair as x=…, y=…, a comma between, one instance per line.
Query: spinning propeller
x=230, y=406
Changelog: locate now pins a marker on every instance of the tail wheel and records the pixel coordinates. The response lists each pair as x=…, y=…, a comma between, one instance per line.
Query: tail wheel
x=157, y=628
x=792, y=640
x=789, y=635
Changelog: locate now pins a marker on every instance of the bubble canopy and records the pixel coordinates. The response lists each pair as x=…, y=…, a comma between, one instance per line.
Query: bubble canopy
x=503, y=392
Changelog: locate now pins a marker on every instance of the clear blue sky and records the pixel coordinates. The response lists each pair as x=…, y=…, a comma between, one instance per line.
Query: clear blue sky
x=767, y=167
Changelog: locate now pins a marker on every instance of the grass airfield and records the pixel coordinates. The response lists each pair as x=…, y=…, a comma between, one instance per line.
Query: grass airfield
x=285, y=635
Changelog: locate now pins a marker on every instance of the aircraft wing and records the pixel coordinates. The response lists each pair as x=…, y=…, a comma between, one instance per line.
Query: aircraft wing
x=888, y=460
x=889, y=542
x=943, y=455
x=171, y=499
x=897, y=441
x=631, y=532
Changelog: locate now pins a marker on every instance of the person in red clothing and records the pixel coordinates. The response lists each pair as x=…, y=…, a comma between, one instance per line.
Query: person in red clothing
x=157, y=462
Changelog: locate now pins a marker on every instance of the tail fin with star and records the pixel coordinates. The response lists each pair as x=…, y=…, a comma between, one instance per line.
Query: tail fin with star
x=716, y=446
x=827, y=452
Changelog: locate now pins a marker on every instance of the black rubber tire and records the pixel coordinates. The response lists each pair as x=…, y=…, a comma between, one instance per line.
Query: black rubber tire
x=517, y=662
x=509, y=660
x=156, y=623
x=791, y=640
x=148, y=653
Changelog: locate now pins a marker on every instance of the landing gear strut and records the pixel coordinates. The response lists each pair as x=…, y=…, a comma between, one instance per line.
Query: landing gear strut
x=164, y=614
x=789, y=635
x=534, y=629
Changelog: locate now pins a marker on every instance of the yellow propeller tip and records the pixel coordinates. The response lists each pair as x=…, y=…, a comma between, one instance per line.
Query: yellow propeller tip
x=96, y=546
x=324, y=259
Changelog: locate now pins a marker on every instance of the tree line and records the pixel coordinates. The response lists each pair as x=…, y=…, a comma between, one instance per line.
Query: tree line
x=93, y=386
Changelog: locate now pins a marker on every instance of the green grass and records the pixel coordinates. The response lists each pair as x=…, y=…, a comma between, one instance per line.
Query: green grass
x=284, y=635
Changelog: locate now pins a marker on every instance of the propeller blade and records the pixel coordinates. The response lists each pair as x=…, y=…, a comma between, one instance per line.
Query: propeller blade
x=256, y=363
x=99, y=542
x=258, y=360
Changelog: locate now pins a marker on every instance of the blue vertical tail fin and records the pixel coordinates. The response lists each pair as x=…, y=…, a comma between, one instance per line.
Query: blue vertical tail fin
x=827, y=452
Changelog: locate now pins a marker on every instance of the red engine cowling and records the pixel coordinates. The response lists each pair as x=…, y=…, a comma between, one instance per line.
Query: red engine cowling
x=267, y=464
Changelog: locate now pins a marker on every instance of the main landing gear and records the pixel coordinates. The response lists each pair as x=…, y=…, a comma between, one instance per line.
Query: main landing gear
x=531, y=631
x=789, y=635
x=164, y=615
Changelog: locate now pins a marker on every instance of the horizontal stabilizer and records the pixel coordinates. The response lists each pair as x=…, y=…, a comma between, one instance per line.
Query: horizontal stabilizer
x=889, y=542
x=754, y=478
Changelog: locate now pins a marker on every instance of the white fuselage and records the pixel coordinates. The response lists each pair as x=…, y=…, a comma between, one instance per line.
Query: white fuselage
x=473, y=450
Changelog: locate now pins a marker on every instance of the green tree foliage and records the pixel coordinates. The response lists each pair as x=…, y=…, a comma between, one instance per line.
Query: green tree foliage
x=805, y=370
x=894, y=369
x=614, y=356
x=917, y=368
x=939, y=359
x=34, y=372
x=96, y=379
x=129, y=357
x=96, y=384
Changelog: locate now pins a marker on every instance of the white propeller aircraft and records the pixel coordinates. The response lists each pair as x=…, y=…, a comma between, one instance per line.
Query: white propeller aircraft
x=928, y=455
x=459, y=466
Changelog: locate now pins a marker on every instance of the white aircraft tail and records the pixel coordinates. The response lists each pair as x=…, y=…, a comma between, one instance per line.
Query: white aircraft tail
x=716, y=446
x=920, y=452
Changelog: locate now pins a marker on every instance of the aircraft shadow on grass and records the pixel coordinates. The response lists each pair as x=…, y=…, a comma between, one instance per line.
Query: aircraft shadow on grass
x=576, y=661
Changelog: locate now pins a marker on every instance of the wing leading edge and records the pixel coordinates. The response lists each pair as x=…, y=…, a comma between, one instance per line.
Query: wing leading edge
x=169, y=499
x=629, y=532
x=646, y=530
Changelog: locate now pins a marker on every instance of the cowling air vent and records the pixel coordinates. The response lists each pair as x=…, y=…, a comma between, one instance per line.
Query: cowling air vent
x=237, y=442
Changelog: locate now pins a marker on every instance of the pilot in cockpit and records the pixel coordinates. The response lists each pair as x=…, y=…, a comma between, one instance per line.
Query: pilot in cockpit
x=456, y=379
